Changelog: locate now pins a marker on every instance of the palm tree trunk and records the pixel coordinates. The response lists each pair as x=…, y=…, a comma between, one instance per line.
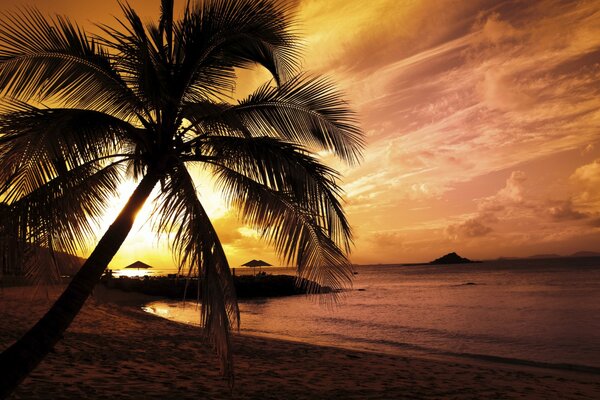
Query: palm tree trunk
x=22, y=357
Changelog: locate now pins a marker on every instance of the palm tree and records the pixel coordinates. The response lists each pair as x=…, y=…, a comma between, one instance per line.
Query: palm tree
x=146, y=102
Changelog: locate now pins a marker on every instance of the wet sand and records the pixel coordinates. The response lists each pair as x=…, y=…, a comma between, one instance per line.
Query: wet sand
x=114, y=350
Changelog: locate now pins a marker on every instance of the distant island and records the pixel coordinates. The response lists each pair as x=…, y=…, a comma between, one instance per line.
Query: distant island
x=452, y=258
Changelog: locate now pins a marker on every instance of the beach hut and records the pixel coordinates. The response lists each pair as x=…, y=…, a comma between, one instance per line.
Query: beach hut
x=256, y=263
x=138, y=265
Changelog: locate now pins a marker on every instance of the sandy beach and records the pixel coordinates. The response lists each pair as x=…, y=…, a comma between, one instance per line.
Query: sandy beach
x=114, y=350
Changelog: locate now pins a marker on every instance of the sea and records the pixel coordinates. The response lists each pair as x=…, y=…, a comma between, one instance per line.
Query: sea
x=540, y=312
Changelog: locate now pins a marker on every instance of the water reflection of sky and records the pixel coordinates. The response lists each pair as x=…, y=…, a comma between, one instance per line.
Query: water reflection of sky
x=133, y=272
x=536, y=310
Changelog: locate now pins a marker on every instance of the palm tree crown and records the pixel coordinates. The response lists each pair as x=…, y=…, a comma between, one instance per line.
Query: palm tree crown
x=146, y=102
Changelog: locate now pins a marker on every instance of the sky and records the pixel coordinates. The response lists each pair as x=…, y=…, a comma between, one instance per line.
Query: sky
x=482, y=124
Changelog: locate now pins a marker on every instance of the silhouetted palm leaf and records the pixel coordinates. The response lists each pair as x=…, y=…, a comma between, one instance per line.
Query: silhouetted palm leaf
x=292, y=229
x=42, y=59
x=199, y=251
x=303, y=110
x=37, y=145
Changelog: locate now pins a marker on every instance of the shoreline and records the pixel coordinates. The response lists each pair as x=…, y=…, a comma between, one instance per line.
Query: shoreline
x=115, y=350
x=413, y=351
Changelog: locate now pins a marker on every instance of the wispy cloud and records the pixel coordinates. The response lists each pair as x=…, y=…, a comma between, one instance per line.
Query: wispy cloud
x=448, y=95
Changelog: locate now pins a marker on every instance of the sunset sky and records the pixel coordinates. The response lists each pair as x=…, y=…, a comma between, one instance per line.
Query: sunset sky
x=482, y=123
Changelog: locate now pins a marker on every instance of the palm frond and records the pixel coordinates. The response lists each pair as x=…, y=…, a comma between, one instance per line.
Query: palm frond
x=166, y=25
x=139, y=59
x=212, y=118
x=214, y=37
x=198, y=250
x=37, y=145
x=61, y=214
x=44, y=58
x=293, y=230
x=285, y=168
x=290, y=198
x=307, y=111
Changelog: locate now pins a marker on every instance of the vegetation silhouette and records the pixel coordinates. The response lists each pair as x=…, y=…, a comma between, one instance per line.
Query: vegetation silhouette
x=452, y=258
x=146, y=102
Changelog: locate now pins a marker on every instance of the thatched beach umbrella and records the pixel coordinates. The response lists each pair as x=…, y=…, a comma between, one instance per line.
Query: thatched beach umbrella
x=256, y=263
x=139, y=265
